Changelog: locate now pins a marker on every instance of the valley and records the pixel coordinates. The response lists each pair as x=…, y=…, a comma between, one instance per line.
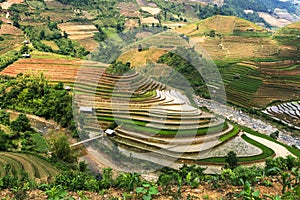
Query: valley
x=149, y=99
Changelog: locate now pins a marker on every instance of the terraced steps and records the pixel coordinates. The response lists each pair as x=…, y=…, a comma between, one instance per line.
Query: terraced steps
x=34, y=166
x=149, y=115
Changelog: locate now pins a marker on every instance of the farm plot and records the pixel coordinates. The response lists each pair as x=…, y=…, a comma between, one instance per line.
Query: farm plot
x=34, y=166
x=151, y=10
x=280, y=82
x=288, y=113
x=129, y=9
x=272, y=90
x=239, y=84
x=241, y=92
x=167, y=40
x=10, y=42
x=137, y=58
x=281, y=68
x=148, y=115
x=83, y=33
x=6, y=4
x=57, y=69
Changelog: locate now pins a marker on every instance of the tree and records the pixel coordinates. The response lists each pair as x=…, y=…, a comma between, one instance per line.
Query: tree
x=118, y=68
x=275, y=134
x=119, y=28
x=140, y=48
x=24, y=49
x=42, y=35
x=61, y=150
x=65, y=34
x=21, y=124
x=4, y=117
x=231, y=160
x=212, y=33
x=4, y=141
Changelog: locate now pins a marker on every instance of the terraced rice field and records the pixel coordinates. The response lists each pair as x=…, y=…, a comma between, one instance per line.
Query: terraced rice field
x=137, y=58
x=166, y=40
x=150, y=117
x=34, y=166
x=83, y=33
x=239, y=84
x=56, y=68
x=288, y=113
x=280, y=82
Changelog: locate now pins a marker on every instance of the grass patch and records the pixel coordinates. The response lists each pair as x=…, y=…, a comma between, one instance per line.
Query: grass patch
x=41, y=143
x=166, y=132
x=251, y=34
x=39, y=54
x=267, y=152
x=294, y=151
x=127, y=121
x=230, y=135
x=288, y=68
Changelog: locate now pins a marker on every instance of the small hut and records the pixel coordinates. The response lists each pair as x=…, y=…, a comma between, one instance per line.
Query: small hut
x=110, y=132
x=26, y=55
x=86, y=110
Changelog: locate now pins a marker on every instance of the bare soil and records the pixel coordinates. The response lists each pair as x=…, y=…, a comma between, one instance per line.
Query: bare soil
x=204, y=191
x=6, y=5
x=129, y=9
x=137, y=58
x=10, y=29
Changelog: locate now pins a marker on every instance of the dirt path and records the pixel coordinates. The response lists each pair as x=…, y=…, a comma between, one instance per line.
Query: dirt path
x=279, y=150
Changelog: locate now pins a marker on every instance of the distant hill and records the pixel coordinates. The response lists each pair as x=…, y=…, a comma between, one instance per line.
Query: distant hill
x=221, y=24
x=285, y=11
x=289, y=35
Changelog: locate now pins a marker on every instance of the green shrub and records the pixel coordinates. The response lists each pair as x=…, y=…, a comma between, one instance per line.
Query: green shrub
x=128, y=181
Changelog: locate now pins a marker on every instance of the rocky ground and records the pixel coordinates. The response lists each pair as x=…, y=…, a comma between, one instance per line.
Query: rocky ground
x=246, y=120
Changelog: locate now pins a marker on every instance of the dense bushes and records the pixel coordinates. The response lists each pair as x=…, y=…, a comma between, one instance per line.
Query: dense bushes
x=32, y=94
x=118, y=68
x=18, y=134
x=169, y=183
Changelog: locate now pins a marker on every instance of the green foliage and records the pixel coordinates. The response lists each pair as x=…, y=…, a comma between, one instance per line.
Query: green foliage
x=5, y=141
x=56, y=193
x=61, y=150
x=249, y=193
x=8, y=58
x=76, y=180
x=21, y=124
x=231, y=160
x=241, y=174
x=118, y=68
x=4, y=117
x=52, y=33
x=186, y=175
x=31, y=93
x=107, y=180
x=24, y=50
x=275, y=134
x=128, y=181
x=146, y=191
x=281, y=163
x=68, y=47
x=192, y=73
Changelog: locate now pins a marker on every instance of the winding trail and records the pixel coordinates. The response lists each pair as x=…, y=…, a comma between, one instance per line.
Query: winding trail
x=279, y=150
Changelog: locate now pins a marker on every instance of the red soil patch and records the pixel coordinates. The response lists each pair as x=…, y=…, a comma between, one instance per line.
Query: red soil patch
x=275, y=90
x=83, y=33
x=137, y=58
x=129, y=9
x=56, y=70
x=9, y=29
x=5, y=5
